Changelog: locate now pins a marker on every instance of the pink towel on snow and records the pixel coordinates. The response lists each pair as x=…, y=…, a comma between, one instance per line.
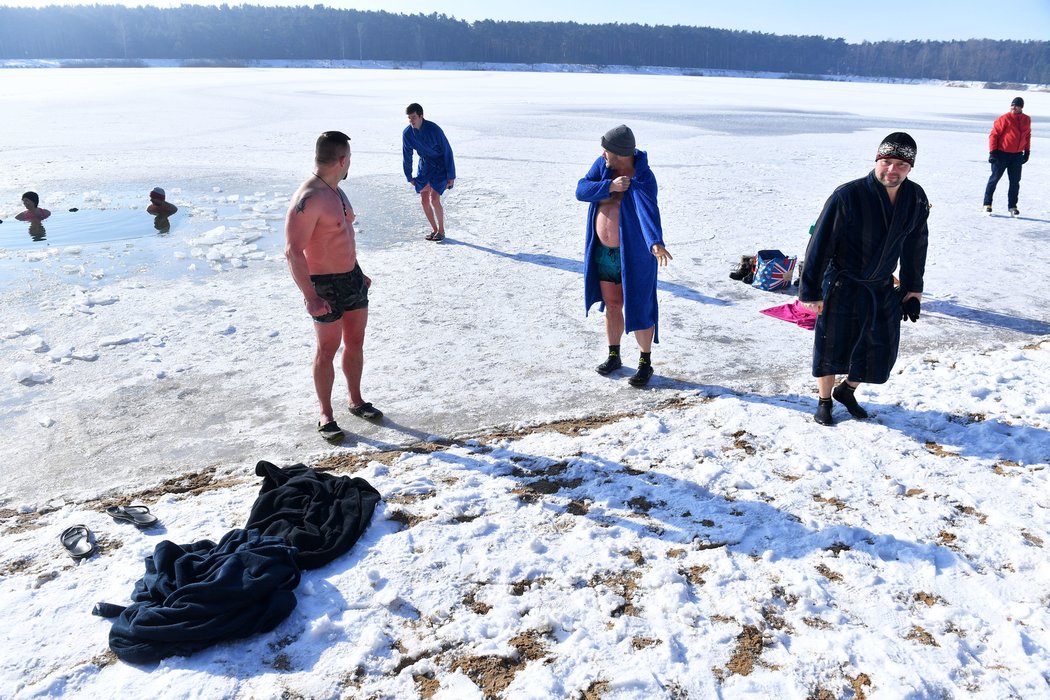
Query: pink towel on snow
x=794, y=313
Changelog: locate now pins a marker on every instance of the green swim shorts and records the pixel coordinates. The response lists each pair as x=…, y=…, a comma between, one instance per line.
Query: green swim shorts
x=609, y=269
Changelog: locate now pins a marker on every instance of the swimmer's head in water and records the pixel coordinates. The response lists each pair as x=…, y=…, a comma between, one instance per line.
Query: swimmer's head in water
x=32, y=197
x=157, y=193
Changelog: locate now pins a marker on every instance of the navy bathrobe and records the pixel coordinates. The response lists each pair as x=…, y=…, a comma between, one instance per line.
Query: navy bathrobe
x=640, y=230
x=856, y=245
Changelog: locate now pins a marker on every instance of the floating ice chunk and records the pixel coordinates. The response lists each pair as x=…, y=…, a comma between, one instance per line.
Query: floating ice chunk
x=72, y=250
x=100, y=299
x=35, y=343
x=15, y=331
x=45, y=421
x=113, y=340
x=179, y=255
x=216, y=189
x=61, y=352
x=25, y=373
x=211, y=237
x=84, y=355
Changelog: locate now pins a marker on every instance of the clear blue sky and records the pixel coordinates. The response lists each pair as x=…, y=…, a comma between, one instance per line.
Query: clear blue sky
x=851, y=20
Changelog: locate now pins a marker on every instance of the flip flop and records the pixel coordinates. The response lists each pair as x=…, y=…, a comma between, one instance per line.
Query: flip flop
x=136, y=515
x=432, y=236
x=366, y=410
x=77, y=541
x=330, y=431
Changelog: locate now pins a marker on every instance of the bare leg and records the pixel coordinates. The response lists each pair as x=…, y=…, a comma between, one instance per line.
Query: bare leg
x=428, y=209
x=612, y=295
x=824, y=385
x=328, y=339
x=439, y=212
x=353, y=328
x=645, y=338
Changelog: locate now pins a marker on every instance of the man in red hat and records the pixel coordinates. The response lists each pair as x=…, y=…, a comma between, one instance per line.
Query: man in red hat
x=159, y=205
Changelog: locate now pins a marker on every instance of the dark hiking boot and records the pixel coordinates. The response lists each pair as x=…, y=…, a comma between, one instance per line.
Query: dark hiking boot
x=987, y=208
x=612, y=364
x=746, y=262
x=823, y=414
x=1014, y=211
x=843, y=393
x=643, y=375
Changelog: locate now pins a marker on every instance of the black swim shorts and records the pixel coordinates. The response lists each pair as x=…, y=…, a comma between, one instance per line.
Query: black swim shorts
x=344, y=291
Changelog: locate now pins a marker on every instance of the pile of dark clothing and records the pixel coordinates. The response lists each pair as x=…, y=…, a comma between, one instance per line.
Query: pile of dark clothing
x=195, y=595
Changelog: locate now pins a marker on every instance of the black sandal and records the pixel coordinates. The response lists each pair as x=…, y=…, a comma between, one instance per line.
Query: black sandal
x=367, y=411
x=330, y=431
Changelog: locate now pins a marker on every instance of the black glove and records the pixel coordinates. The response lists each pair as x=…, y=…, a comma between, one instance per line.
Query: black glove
x=993, y=156
x=910, y=309
x=1024, y=158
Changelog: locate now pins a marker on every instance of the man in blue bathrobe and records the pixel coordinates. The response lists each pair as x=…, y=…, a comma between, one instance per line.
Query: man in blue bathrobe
x=623, y=247
x=436, y=171
x=866, y=228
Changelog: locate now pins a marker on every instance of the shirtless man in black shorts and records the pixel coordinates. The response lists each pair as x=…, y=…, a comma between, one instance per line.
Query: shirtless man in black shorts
x=322, y=255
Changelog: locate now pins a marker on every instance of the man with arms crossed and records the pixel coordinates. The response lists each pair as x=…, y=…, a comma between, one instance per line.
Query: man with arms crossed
x=867, y=226
x=322, y=256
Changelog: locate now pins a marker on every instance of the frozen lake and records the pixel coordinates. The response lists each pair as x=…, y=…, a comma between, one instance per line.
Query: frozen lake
x=200, y=352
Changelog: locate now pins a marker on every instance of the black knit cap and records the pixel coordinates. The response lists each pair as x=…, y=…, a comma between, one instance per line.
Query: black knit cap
x=1017, y=102
x=619, y=141
x=897, y=145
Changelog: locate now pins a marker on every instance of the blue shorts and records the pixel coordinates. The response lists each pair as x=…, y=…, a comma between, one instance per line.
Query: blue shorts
x=344, y=291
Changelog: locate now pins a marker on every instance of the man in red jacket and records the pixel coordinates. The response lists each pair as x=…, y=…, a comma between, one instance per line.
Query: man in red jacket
x=1009, y=145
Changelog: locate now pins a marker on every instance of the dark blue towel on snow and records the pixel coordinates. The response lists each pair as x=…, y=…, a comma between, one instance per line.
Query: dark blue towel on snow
x=195, y=595
x=321, y=515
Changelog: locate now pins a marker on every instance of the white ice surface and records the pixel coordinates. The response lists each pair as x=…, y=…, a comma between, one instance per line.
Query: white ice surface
x=635, y=553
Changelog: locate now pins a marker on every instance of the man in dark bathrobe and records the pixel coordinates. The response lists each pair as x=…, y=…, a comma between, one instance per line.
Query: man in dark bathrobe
x=623, y=248
x=866, y=228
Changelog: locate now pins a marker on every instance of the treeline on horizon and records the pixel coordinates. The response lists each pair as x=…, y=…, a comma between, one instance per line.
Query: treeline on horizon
x=250, y=32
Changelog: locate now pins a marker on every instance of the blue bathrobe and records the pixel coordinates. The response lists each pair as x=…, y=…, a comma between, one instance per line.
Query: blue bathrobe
x=640, y=230
x=855, y=247
x=436, y=165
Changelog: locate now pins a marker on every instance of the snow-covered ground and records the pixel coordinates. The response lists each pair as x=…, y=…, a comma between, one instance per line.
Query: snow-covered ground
x=545, y=532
